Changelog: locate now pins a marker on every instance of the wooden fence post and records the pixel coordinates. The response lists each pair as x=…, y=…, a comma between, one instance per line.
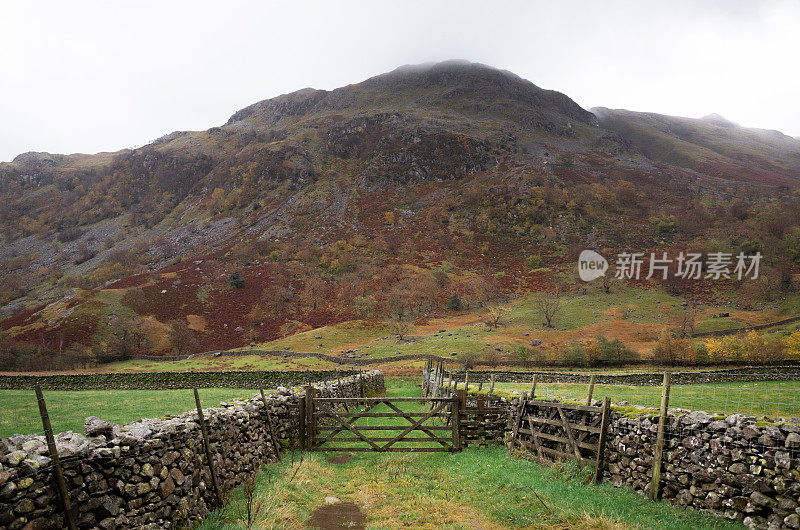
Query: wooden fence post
x=518, y=420
x=58, y=473
x=479, y=404
x=591, y=390
x=455, y=420
x=310, y=431
x=659, y=449
x=601, y=442
x=533, y=386
x=491, y=388
x=271, y=427
x=207, y=445
x=301, y=422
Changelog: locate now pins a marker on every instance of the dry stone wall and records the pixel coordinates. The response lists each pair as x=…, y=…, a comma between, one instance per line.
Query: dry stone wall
x=736, y=466
x=152, y=473
x=733, y=466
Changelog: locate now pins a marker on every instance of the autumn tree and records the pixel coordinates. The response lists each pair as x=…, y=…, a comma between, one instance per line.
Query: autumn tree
x=181, y=337
x=313, y=294
x=127, y=337
x=278, y=296
x=495, y=315
x=400, y=328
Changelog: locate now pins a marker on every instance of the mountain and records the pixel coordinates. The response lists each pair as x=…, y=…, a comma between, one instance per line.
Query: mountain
x=711, y=145
x=383, y=197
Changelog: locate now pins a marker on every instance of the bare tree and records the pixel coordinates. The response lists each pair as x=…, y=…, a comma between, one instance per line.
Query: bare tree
x=686, y=321
x=400, y=328
x=470, y=358
x=549, y=305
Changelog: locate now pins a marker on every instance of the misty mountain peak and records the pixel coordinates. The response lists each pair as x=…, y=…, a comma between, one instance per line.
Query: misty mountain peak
x=719, y=120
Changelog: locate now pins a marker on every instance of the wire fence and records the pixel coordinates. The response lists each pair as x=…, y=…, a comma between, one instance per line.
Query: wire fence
x=19, y=411
x=722, y=393
x=779, y=398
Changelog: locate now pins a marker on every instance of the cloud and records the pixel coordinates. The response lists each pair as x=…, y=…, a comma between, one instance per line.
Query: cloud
x=94, y=76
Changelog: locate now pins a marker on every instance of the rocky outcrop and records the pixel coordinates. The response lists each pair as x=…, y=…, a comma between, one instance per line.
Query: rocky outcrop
x=151, y=473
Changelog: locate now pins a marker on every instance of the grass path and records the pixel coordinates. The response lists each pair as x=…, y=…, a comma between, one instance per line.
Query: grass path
x=476, y=488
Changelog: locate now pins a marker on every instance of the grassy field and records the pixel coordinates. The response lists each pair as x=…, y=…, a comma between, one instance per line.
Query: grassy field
x=760, y=398
x=19, y=412
x=476, y=488
x=637, y=316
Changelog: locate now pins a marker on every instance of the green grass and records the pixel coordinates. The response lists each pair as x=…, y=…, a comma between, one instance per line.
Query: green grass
x=245, y=362
x=580, y=310
x=761, y=398
x=476, y=488
x=19, y=412
x=332, y=337
x=717, y=324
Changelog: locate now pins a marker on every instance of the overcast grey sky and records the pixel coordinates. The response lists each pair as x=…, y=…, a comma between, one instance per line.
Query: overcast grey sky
x=97, y=76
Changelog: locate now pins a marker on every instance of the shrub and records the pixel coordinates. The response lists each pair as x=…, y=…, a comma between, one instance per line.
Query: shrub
x=665, y=226
x=236, y=281
x=455, y=303
x=470, y=358
x=575, y=355
x=614, y=351
x=534, y=261
x=792, y=344
x=675, y=351
x=750, y=348
x=182, y=338
x=701, y=354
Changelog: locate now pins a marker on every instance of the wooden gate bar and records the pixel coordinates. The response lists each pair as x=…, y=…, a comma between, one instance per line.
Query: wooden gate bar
x=340, y=428
x=382, y=428
x=421, y=428
x=325, y=426
x=562, y=430
x=309, y=419
x=272, y=436
x=601, y=449
x=380, y=399
x=354, y=431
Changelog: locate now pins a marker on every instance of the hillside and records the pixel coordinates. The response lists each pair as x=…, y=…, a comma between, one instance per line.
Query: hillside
x=711, y=145
x=428, y=190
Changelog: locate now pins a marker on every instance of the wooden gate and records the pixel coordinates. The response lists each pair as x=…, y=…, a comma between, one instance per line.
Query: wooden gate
x=380, y=424
x=563, y=431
